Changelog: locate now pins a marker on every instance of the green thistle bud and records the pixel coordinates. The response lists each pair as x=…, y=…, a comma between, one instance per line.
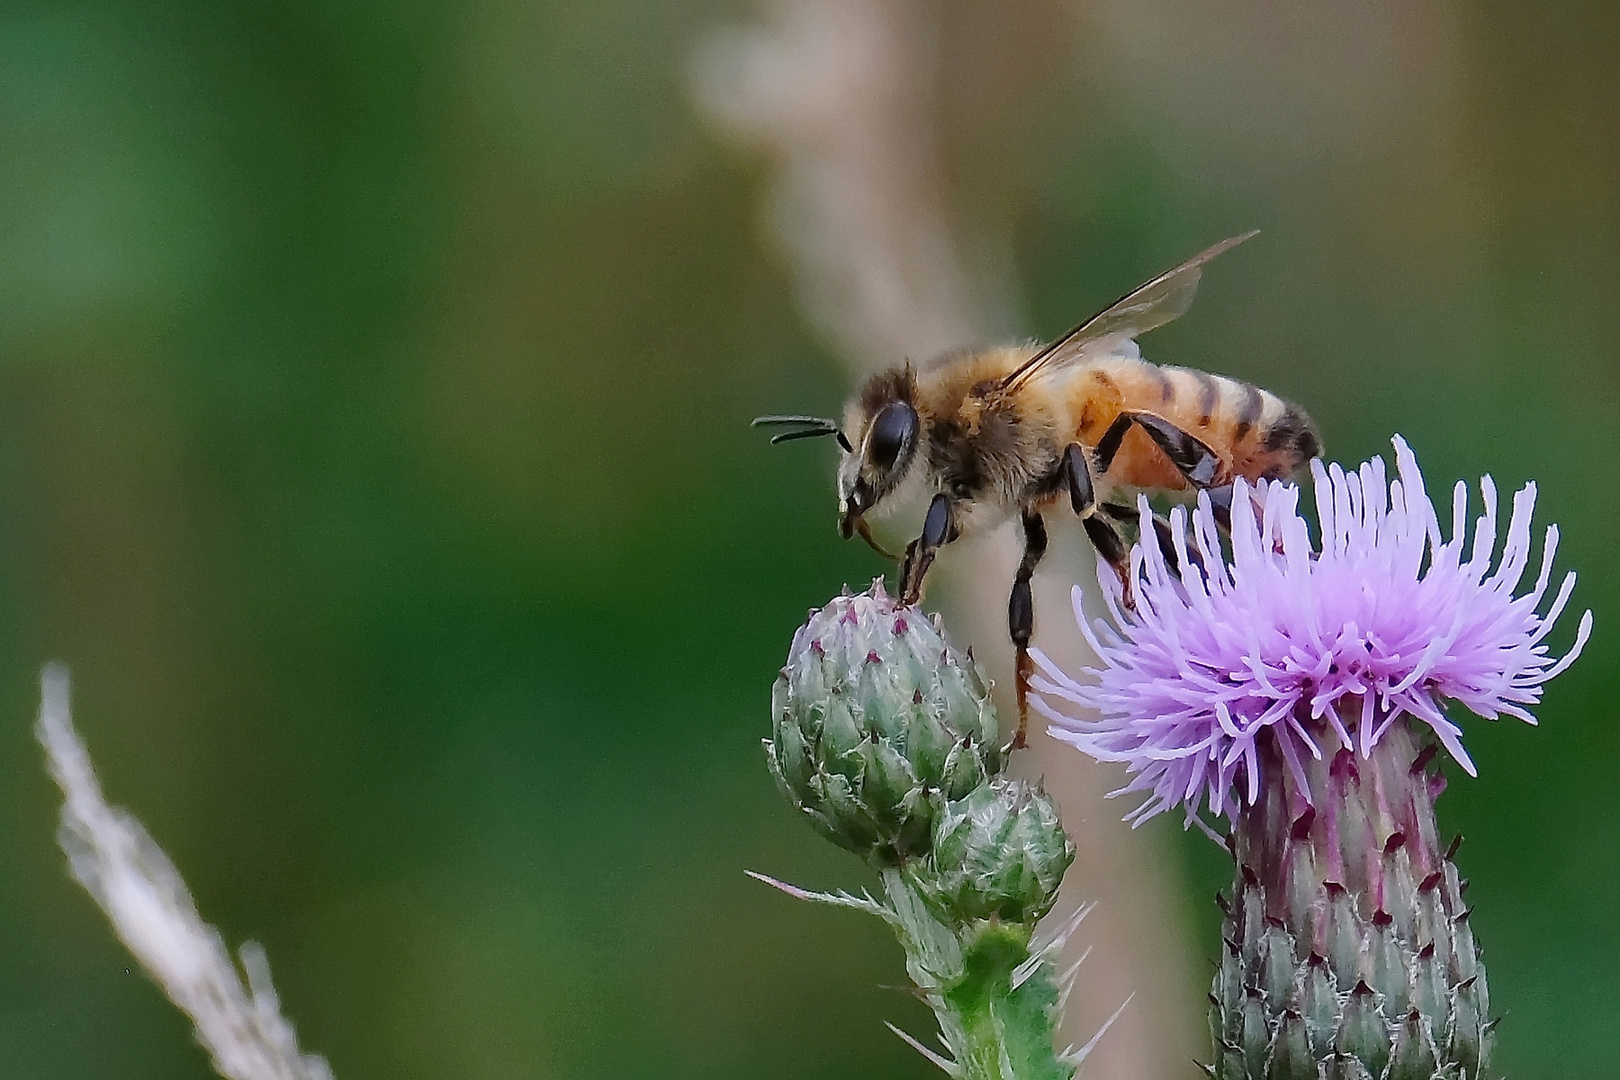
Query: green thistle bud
x=1348, y=947
x=1000, y=853
x=877, y=722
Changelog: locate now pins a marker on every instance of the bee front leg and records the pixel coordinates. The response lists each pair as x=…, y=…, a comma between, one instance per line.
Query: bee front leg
x=1021, y=617
x=939, y=529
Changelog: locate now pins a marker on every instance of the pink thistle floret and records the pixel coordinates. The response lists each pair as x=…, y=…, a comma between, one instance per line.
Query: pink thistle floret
x=1325, y=645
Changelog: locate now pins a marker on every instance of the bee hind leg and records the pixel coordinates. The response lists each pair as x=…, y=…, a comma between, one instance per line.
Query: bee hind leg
x=1021, y=617
x=1191, y=456
x=1200, y=465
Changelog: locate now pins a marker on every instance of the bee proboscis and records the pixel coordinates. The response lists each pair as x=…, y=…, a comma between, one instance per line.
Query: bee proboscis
x=1083, y=424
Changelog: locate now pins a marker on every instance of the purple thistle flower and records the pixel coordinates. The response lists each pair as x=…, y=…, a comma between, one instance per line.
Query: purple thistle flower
x=1324, y=644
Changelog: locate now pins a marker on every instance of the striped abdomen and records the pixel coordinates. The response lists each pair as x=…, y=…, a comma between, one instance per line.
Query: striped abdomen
x=1256, y=433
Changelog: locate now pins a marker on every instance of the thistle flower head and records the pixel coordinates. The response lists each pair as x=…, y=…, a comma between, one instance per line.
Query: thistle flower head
x=1324, y=643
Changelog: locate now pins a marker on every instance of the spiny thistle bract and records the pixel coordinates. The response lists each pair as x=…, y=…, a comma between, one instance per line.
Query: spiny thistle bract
x=877, y=721
x=1290, y=690
x=1348, y=939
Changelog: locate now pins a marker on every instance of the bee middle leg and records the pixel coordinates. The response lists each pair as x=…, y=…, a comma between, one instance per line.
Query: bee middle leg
x=1074, y=475
x=1021, y=617
x=1162, y=532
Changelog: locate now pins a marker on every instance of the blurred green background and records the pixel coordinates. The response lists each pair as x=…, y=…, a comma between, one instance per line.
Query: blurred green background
x=374, y=381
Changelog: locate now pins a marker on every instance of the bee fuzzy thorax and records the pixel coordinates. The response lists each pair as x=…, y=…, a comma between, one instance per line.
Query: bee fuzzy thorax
x=985, y=443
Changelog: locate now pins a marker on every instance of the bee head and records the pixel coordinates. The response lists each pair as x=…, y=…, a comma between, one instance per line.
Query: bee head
x=883, y=429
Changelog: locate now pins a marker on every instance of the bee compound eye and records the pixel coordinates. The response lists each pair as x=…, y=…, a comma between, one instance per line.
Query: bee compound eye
x=893, y=431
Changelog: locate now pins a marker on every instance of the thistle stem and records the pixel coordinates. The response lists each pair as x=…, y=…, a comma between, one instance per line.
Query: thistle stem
x=997, y=1014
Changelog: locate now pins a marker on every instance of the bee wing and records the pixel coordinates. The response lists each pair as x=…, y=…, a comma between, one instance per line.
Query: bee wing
x=1161, y=300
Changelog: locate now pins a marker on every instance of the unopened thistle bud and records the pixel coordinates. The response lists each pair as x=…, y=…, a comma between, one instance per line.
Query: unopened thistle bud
x=885, y=737
x=1000, y=854
x=1298, y=691
x=878, y=722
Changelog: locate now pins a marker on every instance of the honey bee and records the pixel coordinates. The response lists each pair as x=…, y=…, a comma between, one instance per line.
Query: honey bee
x=1083, y=423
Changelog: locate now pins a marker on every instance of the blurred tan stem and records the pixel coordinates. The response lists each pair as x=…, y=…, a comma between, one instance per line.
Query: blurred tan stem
x=840, y=94
x=237, y=1015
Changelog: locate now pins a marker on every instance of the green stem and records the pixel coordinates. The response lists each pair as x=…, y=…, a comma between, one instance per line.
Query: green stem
x=993, y=1030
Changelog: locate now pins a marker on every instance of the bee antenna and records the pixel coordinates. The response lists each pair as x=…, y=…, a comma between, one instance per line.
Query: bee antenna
x=813, y=427
x=802, y=433
x=778, y=421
